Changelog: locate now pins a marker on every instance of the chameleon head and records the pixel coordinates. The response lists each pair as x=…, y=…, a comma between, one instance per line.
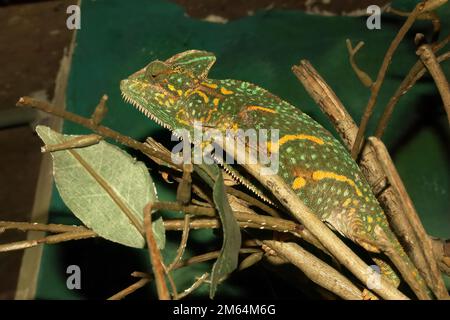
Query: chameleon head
x=158, y=89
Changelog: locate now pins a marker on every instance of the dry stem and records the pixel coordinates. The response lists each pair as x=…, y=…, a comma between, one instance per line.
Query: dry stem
x=155, y=256
x=429, y=60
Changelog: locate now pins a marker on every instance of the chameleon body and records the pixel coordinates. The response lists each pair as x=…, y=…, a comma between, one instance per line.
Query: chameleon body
x=177, y=92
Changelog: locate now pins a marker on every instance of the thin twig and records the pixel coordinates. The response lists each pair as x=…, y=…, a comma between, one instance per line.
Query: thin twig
x=172, y=284
x=429, y=60
x=125, y=292
x=183, y=242
x=416, y=72
x=209, y=256
x=61, y=237
x=100, y=111
x=140, y=274
x=363, y=76
x=194, y=286
x=155, y=256
x=431, y=16
x=380, y=77
x=78, y=142
x=190, y=209
x=27, y=226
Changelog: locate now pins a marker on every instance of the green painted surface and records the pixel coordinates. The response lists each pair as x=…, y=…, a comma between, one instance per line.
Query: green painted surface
x=119, y=37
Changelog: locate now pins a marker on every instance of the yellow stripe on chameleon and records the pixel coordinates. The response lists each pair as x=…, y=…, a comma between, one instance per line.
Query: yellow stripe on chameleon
x=210, y=85
x=319, y=175
x=171, y=87
x=298, y=183
x=291, y=137
x=225, y=91
x=347, y=202
x=180, y=92
x=216, y=102
x=259, y=108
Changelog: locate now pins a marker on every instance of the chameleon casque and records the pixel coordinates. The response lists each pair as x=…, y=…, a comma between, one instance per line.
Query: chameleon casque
x=177, y=92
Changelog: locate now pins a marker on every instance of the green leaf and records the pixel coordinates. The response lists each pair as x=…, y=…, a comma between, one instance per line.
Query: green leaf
x=105, y=188
x=227, y=261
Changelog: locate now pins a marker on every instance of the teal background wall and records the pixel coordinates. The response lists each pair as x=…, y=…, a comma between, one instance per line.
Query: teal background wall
x=120, y=37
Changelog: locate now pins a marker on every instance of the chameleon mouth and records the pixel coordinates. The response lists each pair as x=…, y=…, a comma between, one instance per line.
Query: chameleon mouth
x=138, y=106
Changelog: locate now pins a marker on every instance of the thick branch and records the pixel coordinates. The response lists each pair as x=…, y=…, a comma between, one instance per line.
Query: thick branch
x=316, y=270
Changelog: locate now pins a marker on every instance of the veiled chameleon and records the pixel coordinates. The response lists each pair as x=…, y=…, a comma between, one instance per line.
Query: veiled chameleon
x=177, y=92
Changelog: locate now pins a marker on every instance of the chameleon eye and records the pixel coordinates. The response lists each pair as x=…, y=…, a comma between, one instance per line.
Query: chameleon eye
x=155, y=69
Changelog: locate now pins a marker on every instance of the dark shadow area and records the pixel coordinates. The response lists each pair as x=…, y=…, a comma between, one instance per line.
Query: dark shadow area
x=429, y=113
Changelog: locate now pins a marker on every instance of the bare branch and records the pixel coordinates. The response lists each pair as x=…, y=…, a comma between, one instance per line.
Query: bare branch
x=155, y=256
x=316, y=270
x=429, y=60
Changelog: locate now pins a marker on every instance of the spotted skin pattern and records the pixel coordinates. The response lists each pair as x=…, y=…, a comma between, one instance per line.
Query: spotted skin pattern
x=177, y=92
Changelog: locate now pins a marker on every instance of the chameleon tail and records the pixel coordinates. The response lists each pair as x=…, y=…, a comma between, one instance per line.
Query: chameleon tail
x=409, y=272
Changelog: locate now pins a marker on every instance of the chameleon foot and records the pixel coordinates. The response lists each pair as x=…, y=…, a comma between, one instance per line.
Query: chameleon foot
x=367, y=295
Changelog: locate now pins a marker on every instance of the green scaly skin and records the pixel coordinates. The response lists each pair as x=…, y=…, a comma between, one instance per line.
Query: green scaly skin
x=177, y=92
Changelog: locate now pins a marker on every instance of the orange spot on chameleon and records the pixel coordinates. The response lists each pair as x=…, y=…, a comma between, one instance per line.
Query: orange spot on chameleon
x=225, y=91
x=298, y=183
x=210, y=85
